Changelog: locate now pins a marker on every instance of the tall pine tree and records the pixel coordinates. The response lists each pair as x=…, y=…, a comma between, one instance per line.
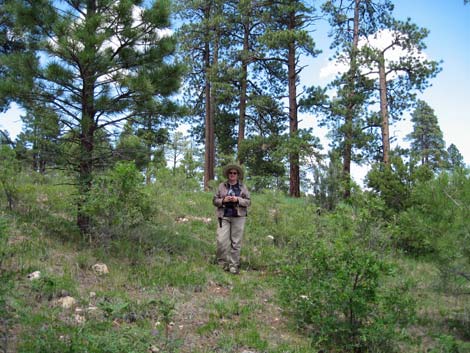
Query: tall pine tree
x=394, y=57
x=350, y=21
x=286, y=38
x=95, y=64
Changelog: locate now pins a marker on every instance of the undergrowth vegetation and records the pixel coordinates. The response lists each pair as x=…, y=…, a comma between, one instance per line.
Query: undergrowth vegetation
x=354, y=279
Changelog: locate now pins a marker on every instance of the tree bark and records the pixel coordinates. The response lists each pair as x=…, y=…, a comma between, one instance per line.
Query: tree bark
x=243, y=89
x=384, y=113
x=294, y=177
x=348, y=138
x=209, y=154
x=213, y=101
x=85, y=172
x=88, y=127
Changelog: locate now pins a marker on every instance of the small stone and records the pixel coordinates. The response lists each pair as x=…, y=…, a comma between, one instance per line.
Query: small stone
x=67, y=302
x=34, y=275
x=154, y=349
x=100, y=269
x=79, y=319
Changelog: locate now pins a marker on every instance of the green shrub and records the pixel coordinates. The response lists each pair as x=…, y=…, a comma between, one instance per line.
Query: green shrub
x=341, y=292
x=392, y=183
x=117, y=201
x=438, y=222
x=446, y=344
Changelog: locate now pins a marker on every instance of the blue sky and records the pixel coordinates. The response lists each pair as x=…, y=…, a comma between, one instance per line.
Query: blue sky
x=448, y=40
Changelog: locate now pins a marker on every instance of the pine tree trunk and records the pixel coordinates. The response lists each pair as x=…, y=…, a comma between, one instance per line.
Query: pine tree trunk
x=384, y=113
x=213, y=103
x=294, y=177
x=209, y=154
x=348, y=138
x=243, y=90
x=208, y=127
x=85, y=173
x=88, y=127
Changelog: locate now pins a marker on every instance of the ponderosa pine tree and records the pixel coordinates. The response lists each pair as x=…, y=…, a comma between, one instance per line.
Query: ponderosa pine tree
x=259, y=82
x=394, y=57
x=427, y=142
x=286, y=38
x=246, y=86
x=199, y=38
x=350, y=21
x=95, y=64
x=252, y=75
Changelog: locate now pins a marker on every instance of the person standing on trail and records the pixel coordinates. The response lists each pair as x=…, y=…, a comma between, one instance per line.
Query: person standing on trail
x=231, y=201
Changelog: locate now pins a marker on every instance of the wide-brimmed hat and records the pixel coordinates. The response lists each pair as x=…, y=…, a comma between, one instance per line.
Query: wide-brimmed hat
x=229, y=167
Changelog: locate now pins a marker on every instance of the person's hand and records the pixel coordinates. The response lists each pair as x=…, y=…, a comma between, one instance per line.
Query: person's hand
x=230, y=199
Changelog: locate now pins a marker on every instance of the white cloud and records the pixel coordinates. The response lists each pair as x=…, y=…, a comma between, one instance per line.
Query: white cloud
x=332, y=68
x=379, y=41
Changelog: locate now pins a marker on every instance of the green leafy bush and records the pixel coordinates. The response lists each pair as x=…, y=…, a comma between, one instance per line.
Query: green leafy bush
x=117, y=201
x=342, y=293
x=393, y=183
x=438, y=221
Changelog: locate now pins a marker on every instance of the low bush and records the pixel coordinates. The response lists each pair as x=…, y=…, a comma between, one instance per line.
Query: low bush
x=117, y=201
x=341, y=293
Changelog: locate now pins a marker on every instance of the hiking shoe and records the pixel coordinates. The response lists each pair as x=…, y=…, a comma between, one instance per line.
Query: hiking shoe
x=224, y=265
x=233, y=270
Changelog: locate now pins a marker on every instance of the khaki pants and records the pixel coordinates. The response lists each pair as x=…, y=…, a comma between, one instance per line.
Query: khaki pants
x=229, y=241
